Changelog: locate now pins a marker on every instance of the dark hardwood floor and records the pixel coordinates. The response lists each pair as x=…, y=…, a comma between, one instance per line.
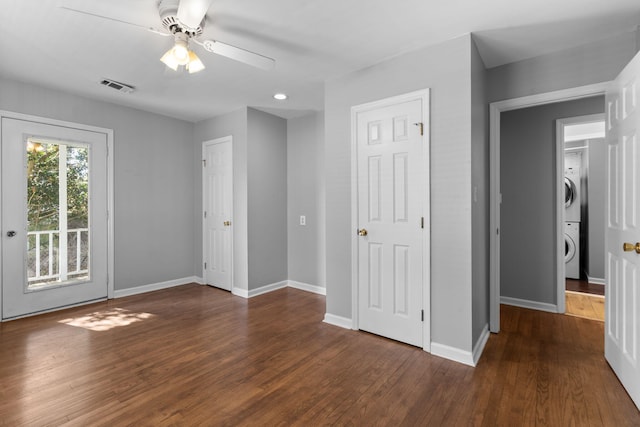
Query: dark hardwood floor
x=584, y=287
x=194, y=355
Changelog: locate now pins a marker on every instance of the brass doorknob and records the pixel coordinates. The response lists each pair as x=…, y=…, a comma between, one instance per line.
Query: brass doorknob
x=227, y=223
x=628, y=247
x=362, y=232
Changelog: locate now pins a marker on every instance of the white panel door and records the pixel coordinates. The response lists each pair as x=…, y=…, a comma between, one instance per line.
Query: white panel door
x=622, y=268
x=54, y=217
x=218, y=206
x=390, y=193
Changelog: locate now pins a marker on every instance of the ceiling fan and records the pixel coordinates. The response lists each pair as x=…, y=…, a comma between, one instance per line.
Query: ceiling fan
x=184, y=20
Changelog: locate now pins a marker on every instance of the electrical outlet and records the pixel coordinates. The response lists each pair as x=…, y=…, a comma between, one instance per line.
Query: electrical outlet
x=303, y=220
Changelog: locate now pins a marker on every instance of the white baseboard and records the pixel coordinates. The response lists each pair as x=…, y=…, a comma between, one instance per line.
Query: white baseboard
x=267, y=288
x=340, y=321
x=240, y=292
x=275, y=286
x=479, y=347
x=595, y=280
x=535, y=305
x=452, y=353
x=119, y=293
x=307, y=287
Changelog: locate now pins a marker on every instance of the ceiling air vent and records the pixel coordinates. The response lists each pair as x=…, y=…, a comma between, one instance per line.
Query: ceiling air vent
x=117, y=85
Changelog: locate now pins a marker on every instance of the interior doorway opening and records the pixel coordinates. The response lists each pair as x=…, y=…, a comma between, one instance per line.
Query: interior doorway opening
x=584, y=183
x=496, y=196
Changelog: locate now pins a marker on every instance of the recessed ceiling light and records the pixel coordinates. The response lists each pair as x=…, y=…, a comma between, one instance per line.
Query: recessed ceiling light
x=280, y=96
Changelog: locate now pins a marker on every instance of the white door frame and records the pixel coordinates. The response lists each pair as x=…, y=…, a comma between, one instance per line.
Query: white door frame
x=422, y=95
x=495, y=198
x=221, y=140
x=110, y=194
x=560, y=211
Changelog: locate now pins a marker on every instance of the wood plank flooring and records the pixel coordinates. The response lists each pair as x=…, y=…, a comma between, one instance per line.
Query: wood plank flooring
x=584, y=286
x=585, y=305
x=194, y=355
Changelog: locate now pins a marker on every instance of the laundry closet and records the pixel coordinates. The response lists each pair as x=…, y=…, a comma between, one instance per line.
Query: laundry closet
x=584, y=201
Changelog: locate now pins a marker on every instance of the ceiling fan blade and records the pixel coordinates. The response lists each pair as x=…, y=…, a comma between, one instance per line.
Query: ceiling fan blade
x=238, y=54
x=191, y=12
x=84, y=12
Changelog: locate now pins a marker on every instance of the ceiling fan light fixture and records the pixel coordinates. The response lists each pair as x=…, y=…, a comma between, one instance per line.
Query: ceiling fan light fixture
x=169, y=60
x=180, y=54
x=194, y=64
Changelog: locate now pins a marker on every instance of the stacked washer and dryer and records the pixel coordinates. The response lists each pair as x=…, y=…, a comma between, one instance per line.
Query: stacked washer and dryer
x=572, y=216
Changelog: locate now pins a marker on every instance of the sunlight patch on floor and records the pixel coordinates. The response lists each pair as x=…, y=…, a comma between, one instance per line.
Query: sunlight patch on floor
x=107, y=319
x=584, y=305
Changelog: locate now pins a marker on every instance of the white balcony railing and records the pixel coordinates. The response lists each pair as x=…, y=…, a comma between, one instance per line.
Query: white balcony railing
x=47, y=262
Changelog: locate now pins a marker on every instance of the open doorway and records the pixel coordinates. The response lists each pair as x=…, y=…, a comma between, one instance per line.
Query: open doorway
x=584, y=164
x=551, y=298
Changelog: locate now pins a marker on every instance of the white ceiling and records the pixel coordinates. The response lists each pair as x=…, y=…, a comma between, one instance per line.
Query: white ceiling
x=311, y=40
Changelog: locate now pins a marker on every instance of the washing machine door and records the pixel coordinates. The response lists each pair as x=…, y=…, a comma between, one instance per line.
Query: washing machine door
x=569, y=248
x=569, y=192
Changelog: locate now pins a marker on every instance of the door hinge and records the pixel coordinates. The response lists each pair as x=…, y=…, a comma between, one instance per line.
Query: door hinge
x=205, y=265
x=422, y=315
x=204, y=163
x=421, y=127
x=422, y=222
x=497, y=231
x=205, y=214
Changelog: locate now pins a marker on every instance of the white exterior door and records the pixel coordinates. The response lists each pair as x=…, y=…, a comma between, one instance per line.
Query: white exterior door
x=54, y=217
x=218, y=207
x=391, y=184
x=622, y=268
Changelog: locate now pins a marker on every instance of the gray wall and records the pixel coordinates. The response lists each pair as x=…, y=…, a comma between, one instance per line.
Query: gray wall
x=445, y=69
x=267, y=194
x=234, y=124
x=479, y=194
x=527, y=169
x=259, y=194
x=153, y=157
x=579, y=66
x=305, y=190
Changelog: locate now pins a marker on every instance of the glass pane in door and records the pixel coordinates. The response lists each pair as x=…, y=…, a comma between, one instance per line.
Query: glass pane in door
x=58, y=239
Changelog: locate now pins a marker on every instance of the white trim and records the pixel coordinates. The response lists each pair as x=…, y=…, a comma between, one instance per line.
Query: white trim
x=243, y=293
x=424, y=96
x=340, y=321
x=559, y=218
x=307, y=287
x=261, y=290
x=279, y=285
x=495, y=109
x=111, y=254
x=110, y=187
x=120, y=293
x=596, y=280
x=224, y=139
x=452, y=353
x=462, y=356
x=534, y=305
x=52, y=310
x=480, y=344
